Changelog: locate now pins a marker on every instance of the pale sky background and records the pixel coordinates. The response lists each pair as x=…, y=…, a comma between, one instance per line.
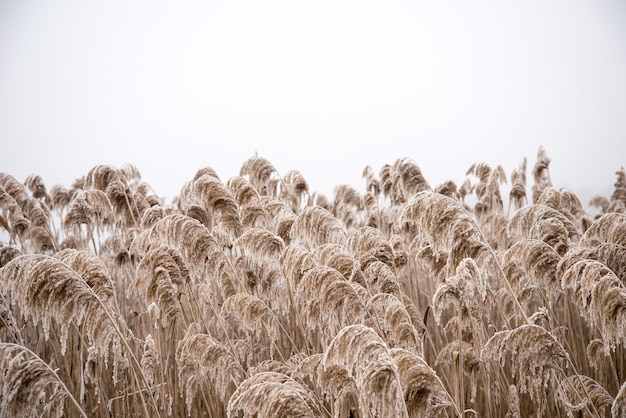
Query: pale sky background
x=323, y=87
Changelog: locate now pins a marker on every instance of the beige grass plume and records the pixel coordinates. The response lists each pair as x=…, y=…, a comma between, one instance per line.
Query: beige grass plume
x=608, y=228
x=263, y=278
x=544, y=223
x=202, y=359
x=488, y=189
x=424, y=393
x=361, y=352
x=517, y=195
x=250, y=313
x=601, y=297
x=328, y=301
x=536, y=357
x=48, y=290
x=379, y=278
x=535, y=260
x=273, y=395
x=619, y=194
x=30, y=387
x=28, y=217
x=610, y=254
x=113, y=182
x=400, y=181
x=261, y=243
x=618, y=409
x=251, y=205
x=207, y=191
x=541, y=174
x=389, y=315
x=261, y=174
x=368, y=245
x=295, y=260
x=316, y=226
x=445, y=228
x=341, y=259
x=465, y=290
x=572, y=395
x=280, y=218
x=294, y=189
x=194, y=241
x=90, y=207
x=163, y=277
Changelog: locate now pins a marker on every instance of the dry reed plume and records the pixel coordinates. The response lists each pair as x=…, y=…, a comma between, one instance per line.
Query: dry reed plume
x=257, y=297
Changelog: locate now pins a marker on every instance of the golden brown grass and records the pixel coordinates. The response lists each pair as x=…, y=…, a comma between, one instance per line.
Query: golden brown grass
x=256, y=297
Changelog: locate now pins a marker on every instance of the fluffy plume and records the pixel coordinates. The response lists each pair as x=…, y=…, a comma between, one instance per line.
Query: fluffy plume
x=368, y=245
x=465, y=289
x=7, y=321
x=517, y=195
x=488, y=189
x=113, y=182
x=618, y=409
x=29, y=387
x=600, y=295
x=339, y=258
x=610, y=254
x=363, y=354
x=251, y=210
x=260, y=242
x=264, y=279
x=93, y=271
x=445, y=227
x=295, y=261
x=150, y=360
x=536, y=260
x=162, y=274
x=60, y=197
x=203, y=359
x=580, y=392
x=608, y=228
x=8, y=253
x=260, y=173
x=88, y=207
x=388, y=314
x=402, y=180
x=424, y=394
x=195, y=242
x=46, y=290
x=316, y=226
x=152, y=215
x=251, y=312
x=15, y=222
x=207, y=191
x=271, y=394
x=619, y=194
x=541, y=174
x=544, y=223
x=535, y=354
x=294, y=189
x=328, y=301
x=381, y=279
x=283, y=219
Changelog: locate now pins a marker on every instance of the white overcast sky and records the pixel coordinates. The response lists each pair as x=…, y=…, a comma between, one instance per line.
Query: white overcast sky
x=323, y=87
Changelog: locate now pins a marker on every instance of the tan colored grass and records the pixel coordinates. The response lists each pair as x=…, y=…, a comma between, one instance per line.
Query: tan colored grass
x=258, y=296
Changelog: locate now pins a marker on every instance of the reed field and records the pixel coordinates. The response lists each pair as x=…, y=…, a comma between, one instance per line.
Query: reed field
x=255, y=296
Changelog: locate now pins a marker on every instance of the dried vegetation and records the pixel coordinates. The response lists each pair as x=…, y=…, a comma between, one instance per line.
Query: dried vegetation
x=255, y=297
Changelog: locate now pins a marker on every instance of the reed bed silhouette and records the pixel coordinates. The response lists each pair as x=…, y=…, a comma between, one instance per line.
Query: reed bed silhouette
x=257, y=297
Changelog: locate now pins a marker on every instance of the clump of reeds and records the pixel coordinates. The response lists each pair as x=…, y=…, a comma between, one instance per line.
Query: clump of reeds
x=259, y=297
